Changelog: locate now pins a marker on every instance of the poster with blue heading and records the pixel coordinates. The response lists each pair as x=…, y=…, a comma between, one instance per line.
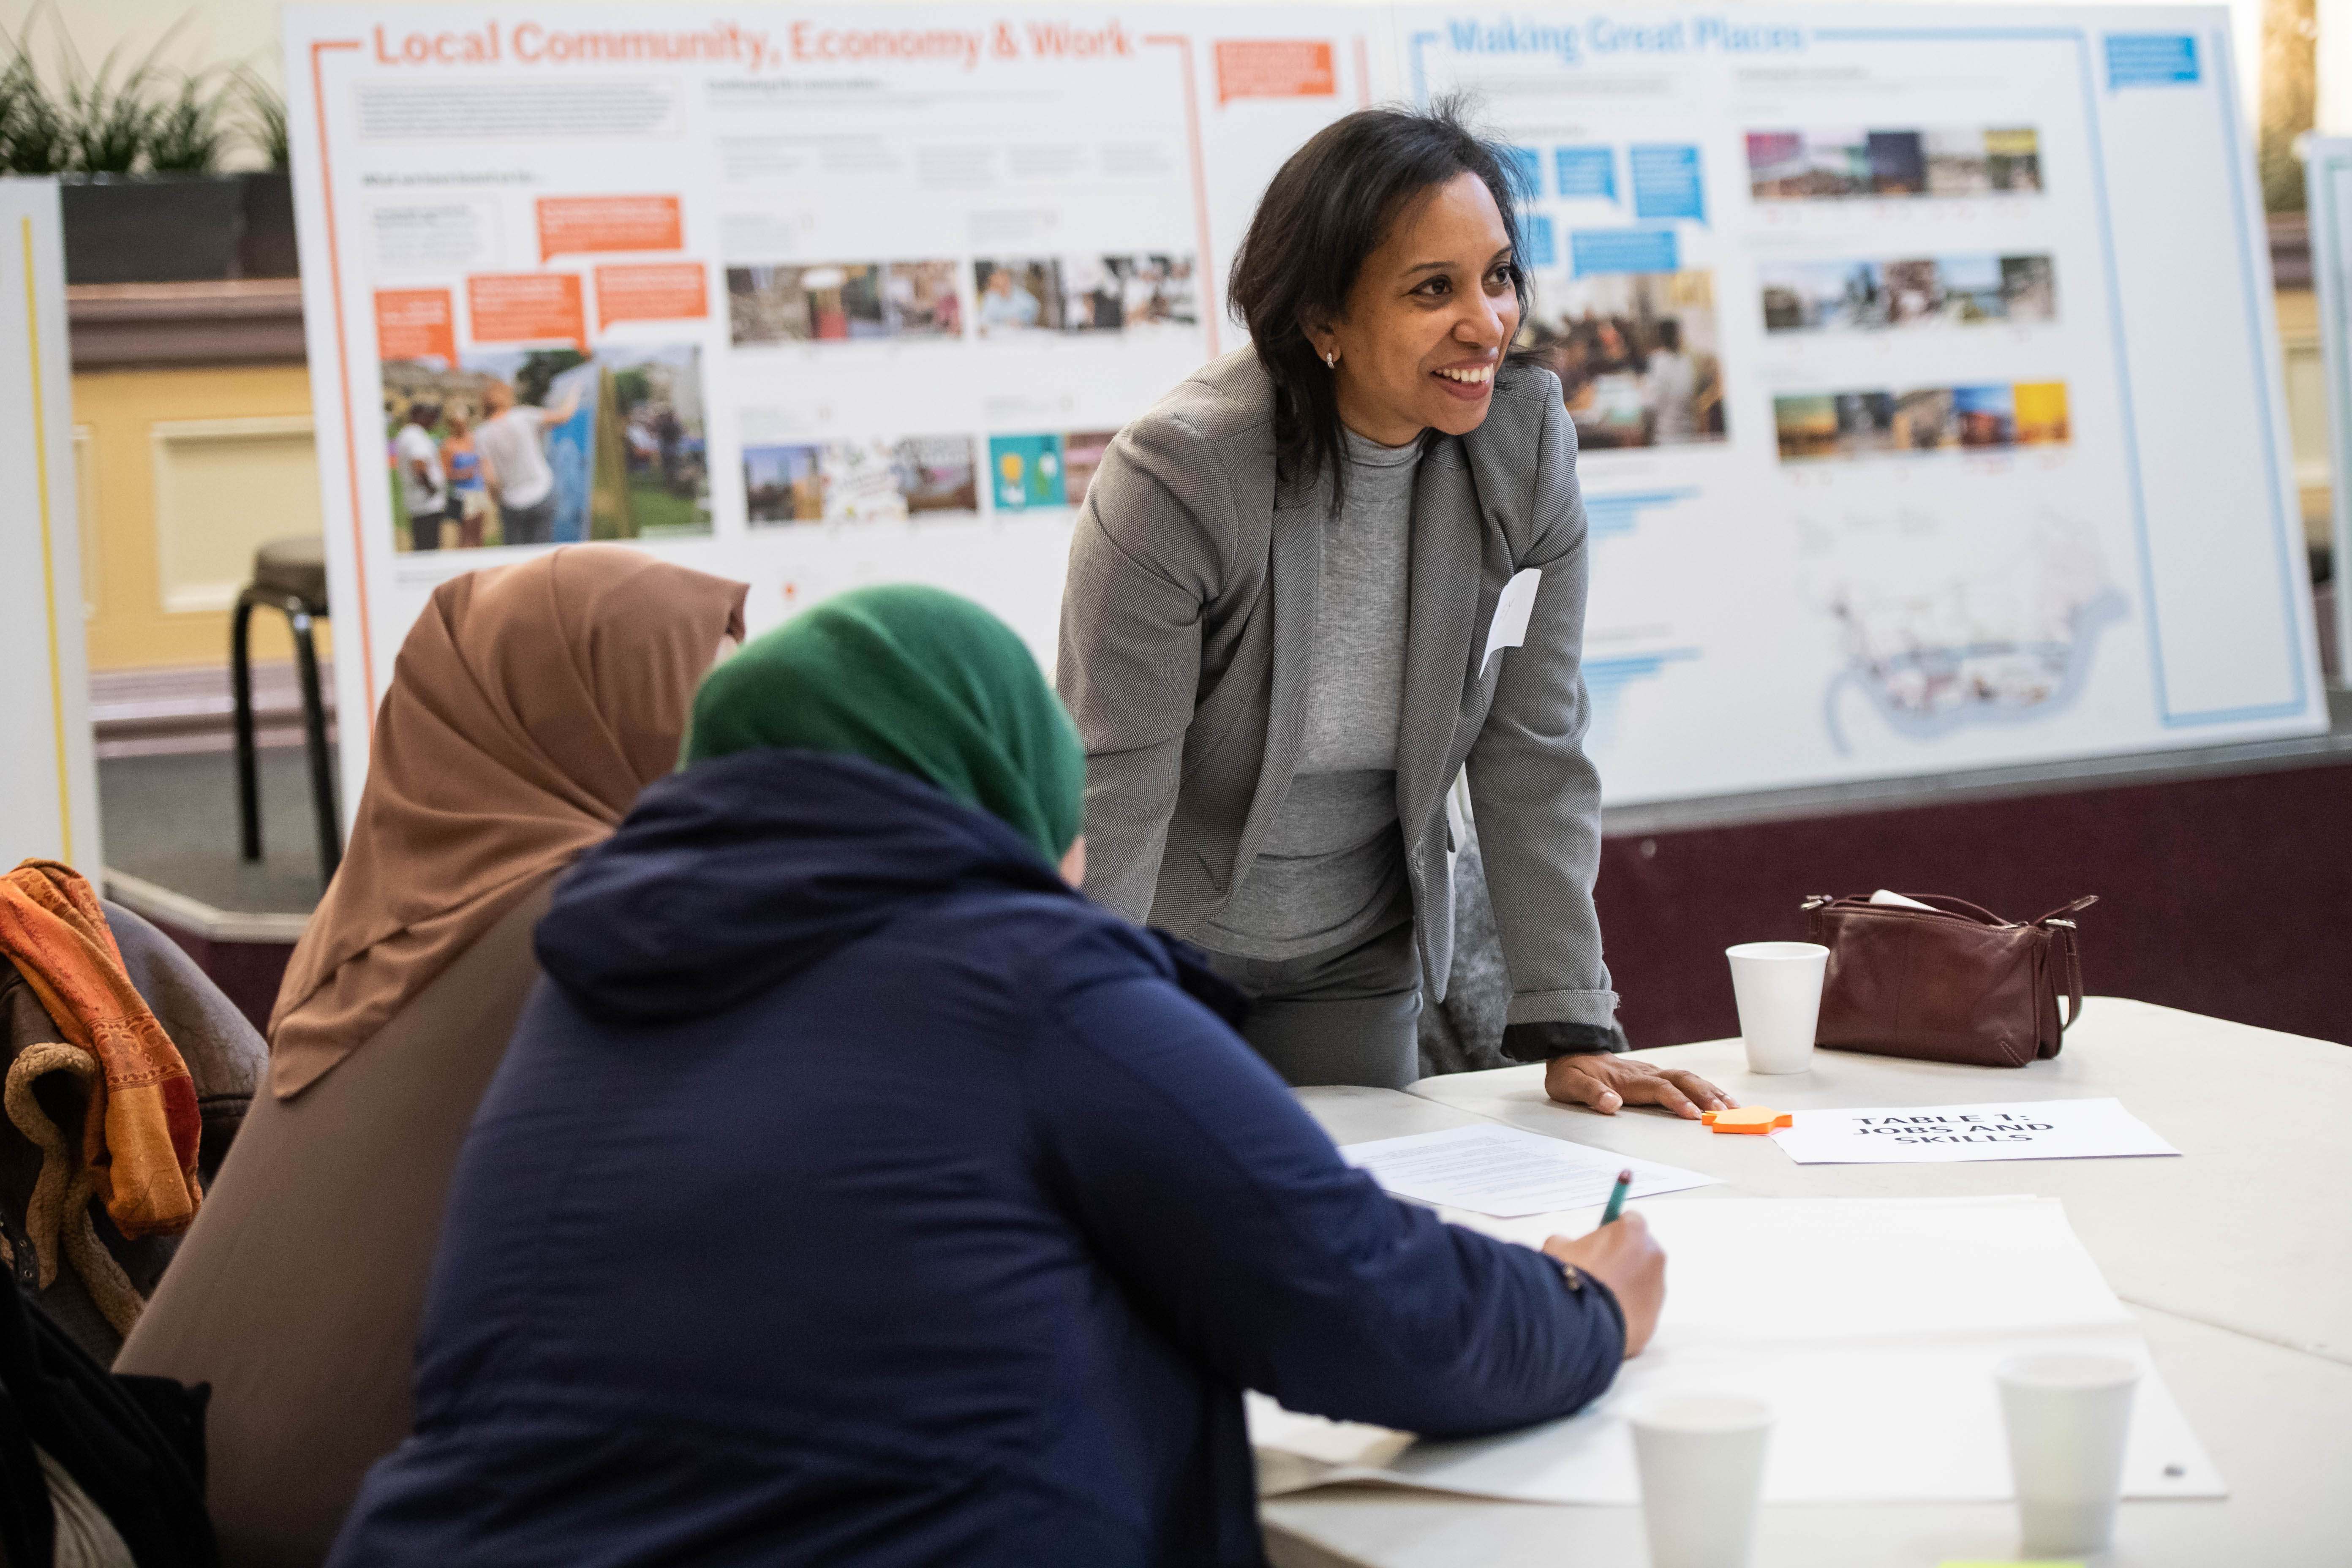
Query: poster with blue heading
x=1923, y=378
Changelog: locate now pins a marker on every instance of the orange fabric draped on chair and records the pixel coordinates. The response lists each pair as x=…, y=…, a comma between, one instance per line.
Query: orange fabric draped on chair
x=140, y=1135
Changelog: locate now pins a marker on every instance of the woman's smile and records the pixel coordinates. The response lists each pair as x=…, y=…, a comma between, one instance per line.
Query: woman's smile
x=1470, y=382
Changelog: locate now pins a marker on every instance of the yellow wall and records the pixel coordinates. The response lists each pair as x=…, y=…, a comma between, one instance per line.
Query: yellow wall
x=2306, y=407
x=182, y=473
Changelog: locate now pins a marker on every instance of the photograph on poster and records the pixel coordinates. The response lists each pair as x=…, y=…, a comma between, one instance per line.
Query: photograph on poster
x=1847, y=425
x=1082, y=454
x=546, y=447
x=874, y=480
x=1129, y=293
x=1016, y=295
x=1638, y=356
x=1835, y=164
x=1867, y=296
x=1025, y=472
x=828, y=302
x=838, y=301
x=922, y=299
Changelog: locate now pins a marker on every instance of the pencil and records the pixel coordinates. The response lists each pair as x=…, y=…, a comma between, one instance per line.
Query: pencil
x=1617, y=1196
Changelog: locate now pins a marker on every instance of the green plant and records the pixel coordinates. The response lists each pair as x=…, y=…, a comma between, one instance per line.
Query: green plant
x=13, y=86
x=35, y=138
x=110, y=123
x=187, y=134
x=123, y=118
x=266, y=118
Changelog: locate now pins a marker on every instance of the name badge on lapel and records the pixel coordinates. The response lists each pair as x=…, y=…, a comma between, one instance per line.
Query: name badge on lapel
x=1509, y=626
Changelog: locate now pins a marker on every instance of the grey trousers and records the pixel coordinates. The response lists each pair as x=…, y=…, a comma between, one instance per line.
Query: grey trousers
x=533, y=524
x=1349, y=1015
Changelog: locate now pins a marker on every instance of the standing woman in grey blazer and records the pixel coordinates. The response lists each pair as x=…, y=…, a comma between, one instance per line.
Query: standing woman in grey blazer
x=1286, y=631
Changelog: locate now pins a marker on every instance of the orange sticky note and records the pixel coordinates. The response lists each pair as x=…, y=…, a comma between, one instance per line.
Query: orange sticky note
x=1756, y=1119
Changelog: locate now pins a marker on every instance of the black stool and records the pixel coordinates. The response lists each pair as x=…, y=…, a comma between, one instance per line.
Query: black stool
x=290, y=576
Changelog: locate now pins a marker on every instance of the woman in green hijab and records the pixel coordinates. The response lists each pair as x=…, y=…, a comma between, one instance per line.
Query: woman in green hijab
x=917, y=680
x=859, y=1193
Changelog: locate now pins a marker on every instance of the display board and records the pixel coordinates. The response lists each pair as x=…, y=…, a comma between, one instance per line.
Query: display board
x=1920, y=358
x=2328, y=182
x=49, y=781
x=1986, y=462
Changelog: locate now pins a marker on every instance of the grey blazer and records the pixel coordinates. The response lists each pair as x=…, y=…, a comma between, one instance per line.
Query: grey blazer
x=1188, y=627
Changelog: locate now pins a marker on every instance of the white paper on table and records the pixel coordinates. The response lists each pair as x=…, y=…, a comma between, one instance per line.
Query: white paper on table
x=1998, y=1129
x=1508, y=1172
x=1872, y=1327
x=1509, y=626
x=1318, y=1438
x=1886, y=1424
x=1834, y=1272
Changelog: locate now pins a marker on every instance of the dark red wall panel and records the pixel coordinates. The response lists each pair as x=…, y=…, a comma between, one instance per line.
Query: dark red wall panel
x=2226, y=896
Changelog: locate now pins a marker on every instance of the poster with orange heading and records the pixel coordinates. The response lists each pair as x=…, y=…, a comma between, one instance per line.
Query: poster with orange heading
x=810, y=296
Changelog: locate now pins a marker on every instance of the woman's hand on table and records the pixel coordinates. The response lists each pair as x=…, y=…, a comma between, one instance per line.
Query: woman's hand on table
x=1601, y=1081
x=1623, y=1256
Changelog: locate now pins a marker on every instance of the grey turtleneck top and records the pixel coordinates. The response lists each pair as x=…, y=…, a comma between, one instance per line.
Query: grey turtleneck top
x=1332, y=871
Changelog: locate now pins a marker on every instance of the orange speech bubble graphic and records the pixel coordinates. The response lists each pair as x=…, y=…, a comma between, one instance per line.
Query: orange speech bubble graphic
x=578, y=226
x=526, y=307
x=415, y=324
x=652, y=291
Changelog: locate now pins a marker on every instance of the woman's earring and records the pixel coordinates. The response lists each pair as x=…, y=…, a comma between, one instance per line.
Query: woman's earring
x=1331, y=360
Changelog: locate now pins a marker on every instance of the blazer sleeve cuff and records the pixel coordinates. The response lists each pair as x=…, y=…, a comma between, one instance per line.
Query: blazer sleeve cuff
x=1545, y=1042
x=1563, y=1006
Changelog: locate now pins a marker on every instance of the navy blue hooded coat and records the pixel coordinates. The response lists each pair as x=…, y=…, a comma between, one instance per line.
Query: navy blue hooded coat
x=858, y=1194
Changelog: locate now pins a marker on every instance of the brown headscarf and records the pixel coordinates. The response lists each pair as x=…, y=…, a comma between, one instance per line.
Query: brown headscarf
x=529, y=706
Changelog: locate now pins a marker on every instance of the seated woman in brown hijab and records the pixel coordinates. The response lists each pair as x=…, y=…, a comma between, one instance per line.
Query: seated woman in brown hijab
x=529, y=705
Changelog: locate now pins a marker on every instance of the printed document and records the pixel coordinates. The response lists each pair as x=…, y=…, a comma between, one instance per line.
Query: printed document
x=1999, y=1130
x=1507, y=1172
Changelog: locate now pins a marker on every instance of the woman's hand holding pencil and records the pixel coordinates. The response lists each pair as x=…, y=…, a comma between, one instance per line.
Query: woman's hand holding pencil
x=1623, y=1256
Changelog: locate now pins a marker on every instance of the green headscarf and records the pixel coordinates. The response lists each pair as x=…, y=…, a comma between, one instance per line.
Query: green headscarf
x=917, y=680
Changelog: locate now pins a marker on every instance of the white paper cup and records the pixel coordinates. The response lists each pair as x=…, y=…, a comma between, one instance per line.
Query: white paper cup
x=1778, y=984
x=1702, y=1463
x=2067, y=1418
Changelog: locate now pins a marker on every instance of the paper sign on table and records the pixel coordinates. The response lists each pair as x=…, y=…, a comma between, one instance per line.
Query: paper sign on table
x=1999, y=1130
x=1505, y=1172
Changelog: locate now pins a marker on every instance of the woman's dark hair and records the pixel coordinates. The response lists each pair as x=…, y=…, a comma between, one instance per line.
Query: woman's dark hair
x=1324, y=214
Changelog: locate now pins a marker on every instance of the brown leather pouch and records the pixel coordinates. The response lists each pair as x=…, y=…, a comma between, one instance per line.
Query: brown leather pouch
x=1948, y=984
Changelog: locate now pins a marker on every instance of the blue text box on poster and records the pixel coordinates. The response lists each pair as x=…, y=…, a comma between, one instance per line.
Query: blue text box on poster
x=1585, y=174
x=1666, y=182
x=1598, y=250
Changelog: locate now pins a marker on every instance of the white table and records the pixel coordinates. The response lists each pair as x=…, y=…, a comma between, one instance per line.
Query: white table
x=2237, y=1261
